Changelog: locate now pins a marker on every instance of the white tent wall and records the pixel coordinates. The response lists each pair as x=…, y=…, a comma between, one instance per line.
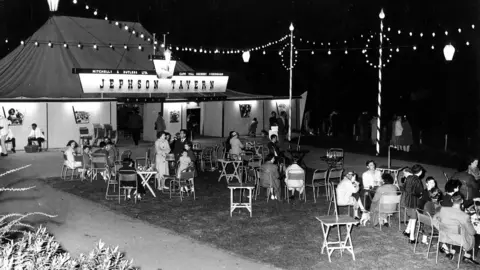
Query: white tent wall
x=57, y=120
x=150, y=114
x=212, y=124
x=234, y=121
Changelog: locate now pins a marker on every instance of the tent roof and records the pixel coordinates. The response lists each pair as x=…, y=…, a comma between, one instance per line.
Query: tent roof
x=42, y=72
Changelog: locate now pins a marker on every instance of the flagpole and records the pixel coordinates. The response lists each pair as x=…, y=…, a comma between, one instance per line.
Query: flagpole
x=379, y=107
x=291, y=28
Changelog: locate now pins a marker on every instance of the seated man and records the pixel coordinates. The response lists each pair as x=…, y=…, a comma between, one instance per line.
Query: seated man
x=347, y=193
x=370, y=179
x=388, y=188
x=269, y=176
x=470, y=187
x=36, y=135
x=296, y=184
x=11, y=139
x=452, y=218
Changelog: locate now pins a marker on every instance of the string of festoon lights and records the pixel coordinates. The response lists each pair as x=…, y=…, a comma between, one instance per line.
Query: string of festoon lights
x=284, y=50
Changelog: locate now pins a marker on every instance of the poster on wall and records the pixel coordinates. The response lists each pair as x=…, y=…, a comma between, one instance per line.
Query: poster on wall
x=14, y=116
x=245, y=110
x=174, y=116
x=81, y=117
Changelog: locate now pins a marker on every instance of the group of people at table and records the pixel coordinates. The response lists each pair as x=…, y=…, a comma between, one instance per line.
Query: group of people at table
x=458, y=207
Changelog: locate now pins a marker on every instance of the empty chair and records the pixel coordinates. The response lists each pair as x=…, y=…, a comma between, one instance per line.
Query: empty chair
x=335, y=176
x=319, y=179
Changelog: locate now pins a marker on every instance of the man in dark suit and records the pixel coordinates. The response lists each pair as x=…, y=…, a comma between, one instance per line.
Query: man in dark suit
x=469, y=188
x=180, y=144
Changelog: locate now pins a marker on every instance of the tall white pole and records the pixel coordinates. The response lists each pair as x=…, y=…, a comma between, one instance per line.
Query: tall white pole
x=380, y=65
x=154, y=39
x=291, y=85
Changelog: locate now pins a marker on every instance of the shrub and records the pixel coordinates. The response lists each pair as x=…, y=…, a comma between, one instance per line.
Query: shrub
x=38, y=250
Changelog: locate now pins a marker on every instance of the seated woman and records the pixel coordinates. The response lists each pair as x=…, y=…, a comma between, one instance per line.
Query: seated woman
x=236, y=144
x=193, y=158
x=270, y=177
x=430, y=203
x=70, y=155
x=473, y=168
x=347, y=193
x=128, y=167
x=388, y=188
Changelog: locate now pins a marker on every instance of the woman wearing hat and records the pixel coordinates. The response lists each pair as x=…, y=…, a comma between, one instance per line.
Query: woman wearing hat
x=412, y=192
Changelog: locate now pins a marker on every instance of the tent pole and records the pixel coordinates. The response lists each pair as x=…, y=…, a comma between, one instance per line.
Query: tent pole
x=46, y=104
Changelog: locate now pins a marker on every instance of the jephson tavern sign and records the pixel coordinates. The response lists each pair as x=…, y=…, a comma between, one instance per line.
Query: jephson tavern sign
x=147, y=81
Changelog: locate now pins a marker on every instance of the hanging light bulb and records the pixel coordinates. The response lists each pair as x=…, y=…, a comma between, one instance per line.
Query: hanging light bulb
x=53, y=5
x=95, y=47
x=75, y=1
x=473, y=26
x=201, y=50
x=110, y=45
x=433, y=47
x=388, y=29
x=313, y=52
x=149, y=39
x=329, y=52
x=142, y=36
x=467, y=43
x=446, y=33
x=125, y=47
x=411, y=34
x=246, y=56
x=36, y=44
x=398, y=49
x=65, y=45
x=399, y=32
x=50, y=44
x=140, y=47
x=459, y=30
x=87, y=7
x=155, y=48
x=106, y=18
x=194, y=50
x=448, y=52
x=126, y=27
x=346, y=52
x=414, y=48
x=264, y=53
x=421, y=34
x=117, y=23
x=95, y=12
x=433, y=34
x=22, y=42
x=6, y=40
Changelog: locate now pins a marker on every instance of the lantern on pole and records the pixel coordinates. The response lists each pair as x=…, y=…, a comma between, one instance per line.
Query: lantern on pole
x=53, y=5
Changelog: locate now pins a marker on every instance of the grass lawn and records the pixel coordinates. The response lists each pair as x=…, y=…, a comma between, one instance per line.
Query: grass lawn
x=284, y=235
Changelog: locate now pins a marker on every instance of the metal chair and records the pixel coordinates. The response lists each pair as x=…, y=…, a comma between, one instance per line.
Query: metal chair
x=178, y=184
x=260, y=174
x=425, y=220
x=112, y=180
x=99, y=165
x=66, y=168
x=335, y=176
x=295, y=176
x=130, y=178
x=455, y=237
x=384, y=206
x=319, y=179
x=333, y=200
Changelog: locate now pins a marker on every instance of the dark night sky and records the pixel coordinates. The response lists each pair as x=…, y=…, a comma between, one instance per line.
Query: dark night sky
x=334, y=81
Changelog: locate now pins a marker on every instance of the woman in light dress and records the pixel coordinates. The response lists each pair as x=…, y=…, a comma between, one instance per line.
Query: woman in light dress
x=70, y=155
x=162, y=148
x=236, y=144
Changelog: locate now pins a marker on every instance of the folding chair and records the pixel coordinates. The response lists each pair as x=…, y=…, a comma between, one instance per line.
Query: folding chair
x=207, y=157
x=66, y=168
x=452, y=235
x=112, y=180
x=178, y=184
x=295, y=176
x=260, y=174
x=143, y=161
x=130, y=178
x=425, y=220
x=319, y=179
x=335, y=176
x=125, y=154
x=385, y=206
x=99, y=165
x=333, y=200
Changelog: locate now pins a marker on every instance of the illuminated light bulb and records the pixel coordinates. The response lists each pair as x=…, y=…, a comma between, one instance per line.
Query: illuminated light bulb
x=65, y=45
x=22, y=42
x=190, y=49
x=264, y=53
x=110, y=45
x=414, y=48
x=367, y=61
x=141, y=36
x=473, y=26
x=433, y=47
x=155, y=42
x=421, y=34
x=125, y=47
x=346, y=52
x=391, y=49
x=74, y=1
x=375, y=66
x=126, y=27
x=411, y=34
x=162, y=45
x=140, y=47
x=399, y=32
x=459, y=30
x=312, y=53
x=6, y=40
x=388, y=29
x=87, y=7
x=467, y=43
x=201, y=50
x=433, y=34
x=383, y=65
x=194, y=50
x=296, y=52
x=179, y=48
x=388, y=60
x=133, y=32
x=79, y=45
x=398, y=49
x=53, y=5
x=361, y=35
x=148, y=39
x=329, y=52
x=95, y=46
x=446, y=33
x=95, y=12
x=36, y=44
x=50, y=44
x=106, y=18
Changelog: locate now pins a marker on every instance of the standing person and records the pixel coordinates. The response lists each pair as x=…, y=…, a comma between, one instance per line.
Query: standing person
x=252, y=129
x=3, y=134
x=411, y=193
x=273, y=120
x=398, y=130
x=135, y=123
x=36, y=135
x=11, y=139
x=179, y=144
x=373, y=126
x=406, y=139
x=162, y=148
x=160, y=123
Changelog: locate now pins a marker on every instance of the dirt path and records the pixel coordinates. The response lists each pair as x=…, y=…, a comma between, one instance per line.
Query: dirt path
x=81, y=223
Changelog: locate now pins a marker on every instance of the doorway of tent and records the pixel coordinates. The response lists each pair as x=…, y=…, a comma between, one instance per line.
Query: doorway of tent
x=124, y=123
x=193, y=122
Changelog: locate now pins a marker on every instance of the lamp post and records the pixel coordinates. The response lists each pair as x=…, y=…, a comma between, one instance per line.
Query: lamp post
x=291, y=28
x=448, y=53
x=379, y=106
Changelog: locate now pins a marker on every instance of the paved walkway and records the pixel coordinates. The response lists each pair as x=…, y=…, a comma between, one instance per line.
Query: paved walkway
x=81, y=223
